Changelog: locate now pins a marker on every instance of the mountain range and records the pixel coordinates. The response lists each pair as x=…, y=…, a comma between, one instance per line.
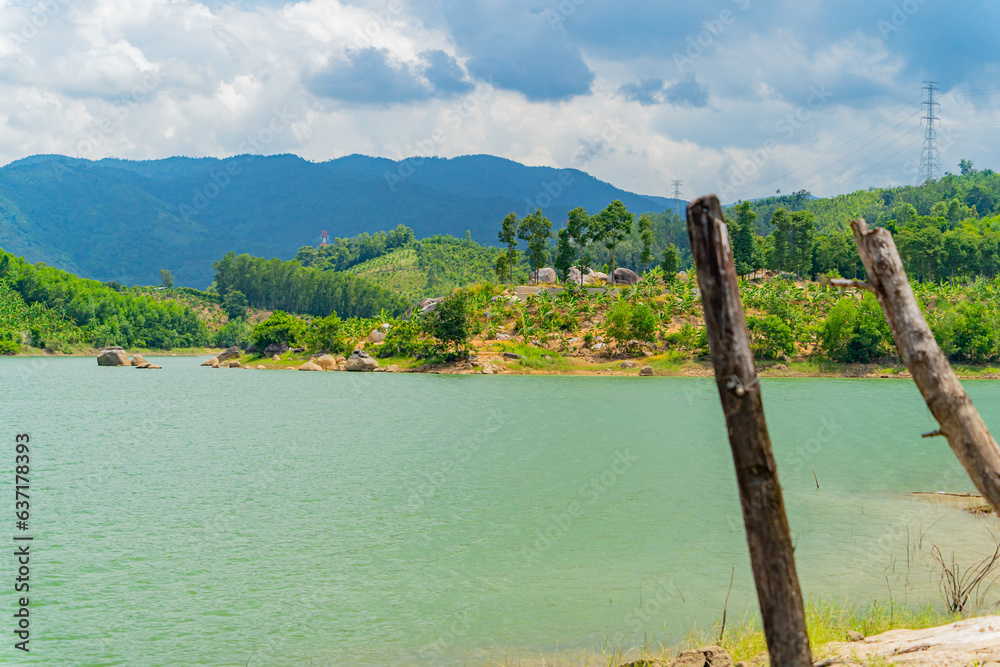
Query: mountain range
x=124, y=220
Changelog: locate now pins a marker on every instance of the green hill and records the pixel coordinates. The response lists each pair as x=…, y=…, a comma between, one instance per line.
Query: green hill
x=124, y=220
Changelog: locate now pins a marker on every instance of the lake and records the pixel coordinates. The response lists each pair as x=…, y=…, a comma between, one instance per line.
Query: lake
x=196, y=516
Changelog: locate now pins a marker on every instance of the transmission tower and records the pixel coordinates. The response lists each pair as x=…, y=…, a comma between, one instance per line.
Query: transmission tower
x=930, y=161
x=677, y=195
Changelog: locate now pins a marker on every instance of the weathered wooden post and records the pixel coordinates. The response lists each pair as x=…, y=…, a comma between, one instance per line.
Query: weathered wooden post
x=958, y=419
x=768, y=537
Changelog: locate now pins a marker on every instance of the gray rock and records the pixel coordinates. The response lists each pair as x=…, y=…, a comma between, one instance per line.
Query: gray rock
x=575, y=341
x=360, y=361
x=512, y=355
x=298, y=350
x=273, y=349
x=855, y=636
x=503, y=336
x=229, y=354
x=625, y=276
x=628, y=363
x=394, y=368
x=252, y=348
x=646, y=371
x=545, y=275
x=113, y=356
x=597, y=347
x=138, y=360
x=376, y=336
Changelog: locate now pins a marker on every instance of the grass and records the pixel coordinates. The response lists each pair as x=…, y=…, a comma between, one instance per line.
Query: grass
x=533, y=358
x=827, y=622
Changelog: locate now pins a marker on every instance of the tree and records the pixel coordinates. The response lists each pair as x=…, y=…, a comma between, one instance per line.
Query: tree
x=779, y=256
x=579, y=230
x=449, y=323
x=536, y=229
x=565, y=254
x=613, y=225
x=670, y=263
x=646, y=234
x=235, y=304
x=166, y=279
x=803, y=229
x=965, y=166
x=746, y=251
x=508, y=236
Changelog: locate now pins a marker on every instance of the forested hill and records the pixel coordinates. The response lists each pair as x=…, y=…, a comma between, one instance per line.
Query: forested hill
x=125, y=220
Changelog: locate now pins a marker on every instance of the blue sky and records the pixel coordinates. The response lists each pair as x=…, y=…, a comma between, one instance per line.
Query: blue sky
x=739, y=97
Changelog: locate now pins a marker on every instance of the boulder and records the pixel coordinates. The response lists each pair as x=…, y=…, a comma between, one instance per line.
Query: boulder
x=394, y=368
x=113, y=356
x=597, y=347
x=545, y=275
x=625, y=276
x=598, y=275
x=487, y=369
x=376, y=336
x=855, y=636
x=575, y=341
x=144, y=364
x=298, y=350
x=252, y=348
x=360, y=361
x=646, y=371
x=310, y=366
x=326, y=362
x=235, y=364
x=512, y=355
x=229, y=354
x=275, y=358
x=155, y=366
x=628, y=363
x=213, y=362
x=275, y=348
x=138, y=360
x=425, y=306
x=261, y=367
x=707, y=656
x=341, y=365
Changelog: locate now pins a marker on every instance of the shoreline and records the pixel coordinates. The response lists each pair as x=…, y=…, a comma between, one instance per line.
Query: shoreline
x=582, y=365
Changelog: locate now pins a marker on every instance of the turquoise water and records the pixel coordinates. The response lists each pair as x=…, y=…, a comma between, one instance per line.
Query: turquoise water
x=196, y=516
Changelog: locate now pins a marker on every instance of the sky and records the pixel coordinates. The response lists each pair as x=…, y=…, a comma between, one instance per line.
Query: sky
x=738, y=97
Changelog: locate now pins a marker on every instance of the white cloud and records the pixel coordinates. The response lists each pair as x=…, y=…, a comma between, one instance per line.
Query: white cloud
x=154, y=78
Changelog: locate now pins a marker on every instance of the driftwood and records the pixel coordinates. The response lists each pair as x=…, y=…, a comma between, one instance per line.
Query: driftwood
x=768, y=537
x=959, y=420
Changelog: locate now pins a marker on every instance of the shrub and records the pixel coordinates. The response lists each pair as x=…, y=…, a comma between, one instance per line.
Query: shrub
x=279, y=328
x=856, y=332
x=8, y=342
x=326, y=334
x=770, y=337
x=235, y=332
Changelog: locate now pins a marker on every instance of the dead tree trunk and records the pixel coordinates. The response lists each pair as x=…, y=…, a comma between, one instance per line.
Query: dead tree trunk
x=768, y=537
x=952, y=408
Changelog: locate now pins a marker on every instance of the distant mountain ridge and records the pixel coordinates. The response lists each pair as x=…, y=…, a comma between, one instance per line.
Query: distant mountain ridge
x=124, y=220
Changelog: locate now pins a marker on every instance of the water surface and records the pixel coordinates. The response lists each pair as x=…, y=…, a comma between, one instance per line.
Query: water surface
x=197, y=516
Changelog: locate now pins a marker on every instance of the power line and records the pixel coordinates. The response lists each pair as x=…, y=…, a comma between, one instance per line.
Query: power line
x=930, y=160
x=677, y=195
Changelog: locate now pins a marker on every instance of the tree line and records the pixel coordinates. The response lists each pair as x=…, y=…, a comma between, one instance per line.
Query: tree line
x=87, y=312
x=274, y=284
